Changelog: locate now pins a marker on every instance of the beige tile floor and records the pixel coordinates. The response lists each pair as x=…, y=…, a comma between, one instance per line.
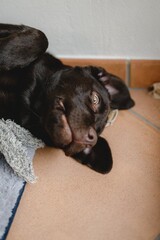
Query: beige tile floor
x=147, y=107
x=72, y=202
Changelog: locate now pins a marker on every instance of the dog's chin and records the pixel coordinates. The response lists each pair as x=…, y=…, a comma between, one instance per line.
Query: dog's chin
x=75, y=148
x=67, y=139
x=87, y=150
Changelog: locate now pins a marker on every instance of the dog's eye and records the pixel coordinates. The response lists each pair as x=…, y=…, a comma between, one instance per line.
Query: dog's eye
x=95, y=100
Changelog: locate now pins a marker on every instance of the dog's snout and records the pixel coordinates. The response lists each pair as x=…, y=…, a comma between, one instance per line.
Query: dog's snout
x=91, y=137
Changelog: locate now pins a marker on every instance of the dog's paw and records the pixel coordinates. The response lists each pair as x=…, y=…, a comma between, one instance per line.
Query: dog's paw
x=103, y=76
x=99, y=158
x=99, y=73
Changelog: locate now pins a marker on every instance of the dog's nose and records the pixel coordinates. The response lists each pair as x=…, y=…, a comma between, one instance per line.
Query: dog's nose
x=91, y=137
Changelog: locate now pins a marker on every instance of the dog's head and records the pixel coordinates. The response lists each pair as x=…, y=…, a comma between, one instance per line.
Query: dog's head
x=77, y=108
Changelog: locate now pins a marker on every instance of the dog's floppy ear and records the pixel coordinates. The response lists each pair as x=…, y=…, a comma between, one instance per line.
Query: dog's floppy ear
x=99, y=158
x=118, y=91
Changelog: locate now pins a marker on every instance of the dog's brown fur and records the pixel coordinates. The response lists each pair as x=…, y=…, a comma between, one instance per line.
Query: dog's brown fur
x=64, y=106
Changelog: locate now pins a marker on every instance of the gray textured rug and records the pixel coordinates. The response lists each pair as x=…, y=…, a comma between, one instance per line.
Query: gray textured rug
x=17, y=149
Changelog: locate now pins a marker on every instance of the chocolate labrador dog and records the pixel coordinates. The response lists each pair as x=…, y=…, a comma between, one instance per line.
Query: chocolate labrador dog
x=67, y=107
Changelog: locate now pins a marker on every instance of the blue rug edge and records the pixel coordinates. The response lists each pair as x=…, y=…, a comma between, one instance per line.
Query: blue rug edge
x=14, y=210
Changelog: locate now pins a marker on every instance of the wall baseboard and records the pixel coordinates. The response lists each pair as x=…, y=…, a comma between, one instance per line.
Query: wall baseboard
x=136, y=73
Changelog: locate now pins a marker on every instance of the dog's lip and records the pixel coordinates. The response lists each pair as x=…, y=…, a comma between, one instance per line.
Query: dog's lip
x=81, y=142
x=68, y=129
x=81, y=147
x=73, y=138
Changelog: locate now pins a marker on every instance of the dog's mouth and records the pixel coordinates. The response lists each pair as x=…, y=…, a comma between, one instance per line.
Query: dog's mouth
x=67, y=134
x=76, y=147
x=75, y=141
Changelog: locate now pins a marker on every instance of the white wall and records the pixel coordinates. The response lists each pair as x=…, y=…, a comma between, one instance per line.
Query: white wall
x=92, y=28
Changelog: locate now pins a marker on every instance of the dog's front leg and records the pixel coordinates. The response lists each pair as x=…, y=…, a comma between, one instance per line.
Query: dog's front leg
x=20, y=45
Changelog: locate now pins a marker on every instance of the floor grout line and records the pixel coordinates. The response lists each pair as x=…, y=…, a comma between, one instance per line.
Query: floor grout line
x=139, y=116
x=138, y=89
